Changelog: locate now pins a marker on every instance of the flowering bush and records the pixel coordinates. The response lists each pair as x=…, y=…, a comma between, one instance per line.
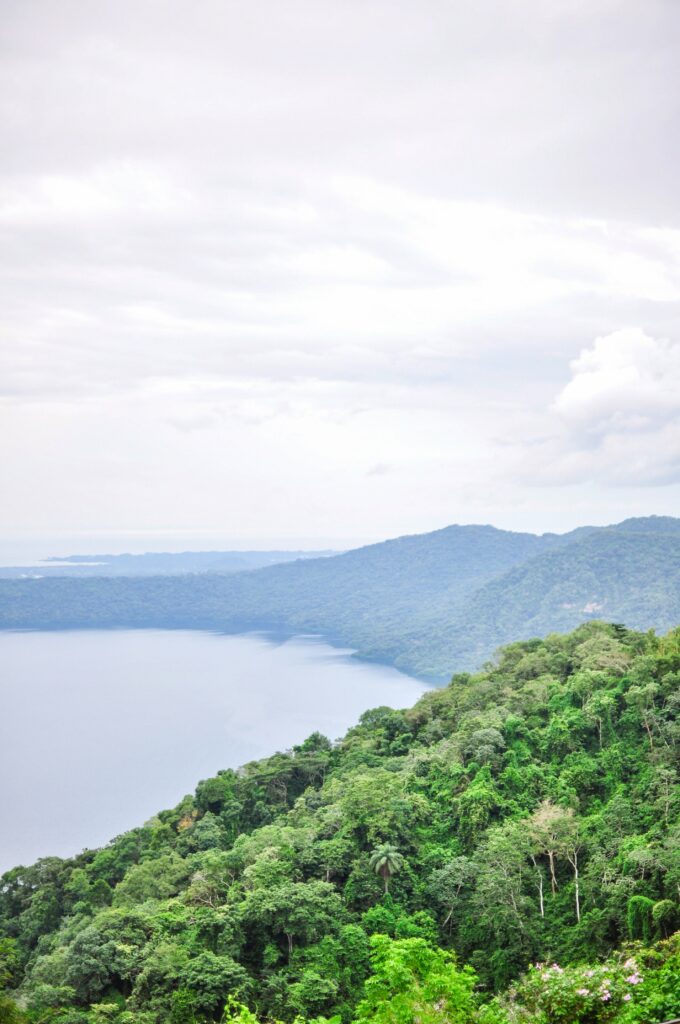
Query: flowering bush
x=578, y=995
x=658, y=997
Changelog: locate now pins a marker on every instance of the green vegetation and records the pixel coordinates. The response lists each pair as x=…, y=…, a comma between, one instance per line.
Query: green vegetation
x=386, y=861
x=422, y=603
x=505, y=852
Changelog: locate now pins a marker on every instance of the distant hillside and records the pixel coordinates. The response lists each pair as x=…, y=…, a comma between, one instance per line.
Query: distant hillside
x=626, y=573
x=158, y=563
x=429, y=603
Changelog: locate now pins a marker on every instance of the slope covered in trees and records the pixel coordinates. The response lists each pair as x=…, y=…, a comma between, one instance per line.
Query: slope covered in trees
x=412, y=871
x=422, y=603
x=365, y=598
x=628, y=574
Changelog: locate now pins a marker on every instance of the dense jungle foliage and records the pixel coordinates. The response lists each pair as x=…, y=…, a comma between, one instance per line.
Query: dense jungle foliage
x=423, y=603
x=505, y=851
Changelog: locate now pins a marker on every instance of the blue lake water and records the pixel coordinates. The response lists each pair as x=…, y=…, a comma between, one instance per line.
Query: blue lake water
x=101, y=729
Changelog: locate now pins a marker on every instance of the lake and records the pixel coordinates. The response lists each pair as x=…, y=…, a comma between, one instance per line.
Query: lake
x=100, y=729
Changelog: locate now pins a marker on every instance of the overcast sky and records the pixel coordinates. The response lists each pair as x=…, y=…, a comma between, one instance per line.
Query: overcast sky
x=314, y=272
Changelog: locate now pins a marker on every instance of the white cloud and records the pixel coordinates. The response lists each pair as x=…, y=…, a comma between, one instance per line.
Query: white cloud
x=361, y=281
x=628, y=381
x=254, y=258
x=616, y=421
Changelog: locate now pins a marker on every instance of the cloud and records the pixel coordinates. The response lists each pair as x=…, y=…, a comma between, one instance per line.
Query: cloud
x=627, y=382
x=250, y=256
x=617, y=420
x=361, y=281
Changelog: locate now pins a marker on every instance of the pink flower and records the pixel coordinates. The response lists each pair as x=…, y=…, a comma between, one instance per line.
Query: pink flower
x=606, y=996
x=627, y=997
x=582, y=992
x=546, y=977
x=634, y=979
x=630, y=963
x=589, y=974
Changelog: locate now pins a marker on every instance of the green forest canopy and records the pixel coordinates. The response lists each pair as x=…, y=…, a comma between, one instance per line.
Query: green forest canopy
x=529, y=814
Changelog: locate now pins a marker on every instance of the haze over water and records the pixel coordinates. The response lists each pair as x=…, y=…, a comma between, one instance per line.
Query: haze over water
x=101, y=729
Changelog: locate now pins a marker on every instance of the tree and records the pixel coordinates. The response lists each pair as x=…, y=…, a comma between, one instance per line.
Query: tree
x=665, y=786
x=210, y=882
x=572, y=848
x=152, y=880
x=556, y=832
x=106, y=952
x=664, y=915
x=212, y=979
x=301, y=911
x=639, y=917
x=386, y=861
x=485, y=746
x=9, y=1011
x=642, y=698
x=9, y=961
x=411, y=982
x=447, y=883
x=599, y=708
x=499, y=899
x=546, y=828
x=477, y=805
x=159, y=976
x=182, y=1007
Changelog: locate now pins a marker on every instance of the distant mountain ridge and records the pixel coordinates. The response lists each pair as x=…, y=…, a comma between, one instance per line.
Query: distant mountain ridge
x=429, y=603
x=154, y=563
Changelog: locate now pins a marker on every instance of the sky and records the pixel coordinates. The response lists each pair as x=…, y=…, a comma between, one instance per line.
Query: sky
x=328, y=271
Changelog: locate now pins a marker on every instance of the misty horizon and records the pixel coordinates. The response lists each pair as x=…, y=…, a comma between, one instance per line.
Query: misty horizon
x=52, y=550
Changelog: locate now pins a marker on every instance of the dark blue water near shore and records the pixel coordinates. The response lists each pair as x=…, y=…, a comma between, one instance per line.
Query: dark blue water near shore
x=100, y=729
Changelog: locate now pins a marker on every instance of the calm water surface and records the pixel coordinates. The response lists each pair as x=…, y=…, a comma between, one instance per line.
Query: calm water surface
x=101, y=729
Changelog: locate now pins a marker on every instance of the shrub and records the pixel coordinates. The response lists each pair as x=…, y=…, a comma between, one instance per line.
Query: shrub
x=577, y=995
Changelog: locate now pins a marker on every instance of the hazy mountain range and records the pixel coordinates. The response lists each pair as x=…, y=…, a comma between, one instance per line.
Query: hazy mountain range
x=430, y=604
x=156, y=563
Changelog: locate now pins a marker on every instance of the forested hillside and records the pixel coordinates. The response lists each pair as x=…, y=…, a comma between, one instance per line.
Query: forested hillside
x=365, y=598
x=628, y=574
x=414, y=871
x=422, y=603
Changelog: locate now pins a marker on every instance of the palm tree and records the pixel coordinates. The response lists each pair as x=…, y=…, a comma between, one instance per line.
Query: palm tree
x=386, y=861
